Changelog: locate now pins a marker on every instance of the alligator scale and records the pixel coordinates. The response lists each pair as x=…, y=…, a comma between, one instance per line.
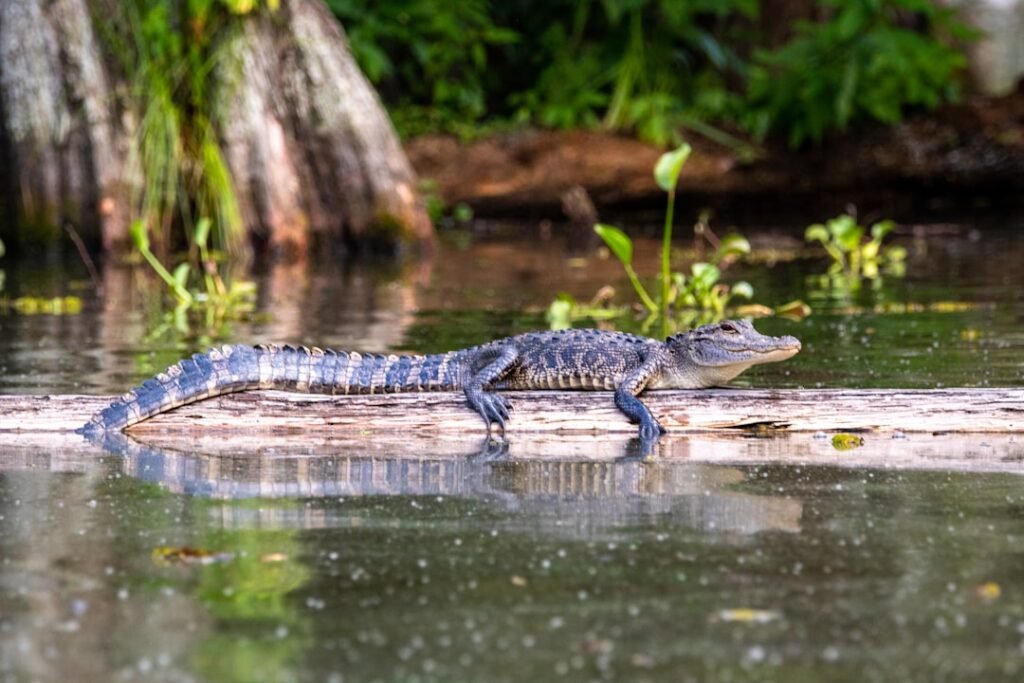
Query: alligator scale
x=567, y=359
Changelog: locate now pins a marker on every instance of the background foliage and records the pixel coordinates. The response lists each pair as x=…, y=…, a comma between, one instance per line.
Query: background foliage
x=654, y=67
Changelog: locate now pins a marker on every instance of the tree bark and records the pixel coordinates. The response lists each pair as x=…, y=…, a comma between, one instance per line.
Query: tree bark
x=62, y=148
x=310, y=148
x=309, y=144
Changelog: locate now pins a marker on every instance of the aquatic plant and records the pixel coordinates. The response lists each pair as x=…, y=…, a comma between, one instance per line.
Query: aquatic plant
x=170, y=53
x=854, y=257
x=214, y=300
x=683, y=299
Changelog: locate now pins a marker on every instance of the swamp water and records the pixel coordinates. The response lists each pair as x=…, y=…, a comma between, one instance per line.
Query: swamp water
x=417, y=559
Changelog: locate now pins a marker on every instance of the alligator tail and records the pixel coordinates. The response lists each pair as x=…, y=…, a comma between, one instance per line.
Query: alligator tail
x=229, y=369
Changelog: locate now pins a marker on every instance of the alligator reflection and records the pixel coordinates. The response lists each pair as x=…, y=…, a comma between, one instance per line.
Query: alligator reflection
x=568, y=494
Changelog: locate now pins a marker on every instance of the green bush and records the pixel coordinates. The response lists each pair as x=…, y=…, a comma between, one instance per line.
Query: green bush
x=653, y=67
x=429, y=59
x=861, y=64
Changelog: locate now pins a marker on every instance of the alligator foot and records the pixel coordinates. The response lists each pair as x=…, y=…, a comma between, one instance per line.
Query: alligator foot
x=493, y=407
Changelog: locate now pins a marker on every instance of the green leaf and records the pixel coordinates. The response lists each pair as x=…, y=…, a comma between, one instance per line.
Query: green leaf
x=140, y=236
x=846, y=232
x=181, y=276
x=704, y=275
x=881, y=229
x=816, y=232
x=559, y=314
x=669, y=166
x=202, y=232
x=618, y=242
x=732, y=245
x=743, y=289
x=462, y=212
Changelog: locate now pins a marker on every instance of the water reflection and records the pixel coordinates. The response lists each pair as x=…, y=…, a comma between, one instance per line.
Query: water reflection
x=343, y=561
x=594, y=494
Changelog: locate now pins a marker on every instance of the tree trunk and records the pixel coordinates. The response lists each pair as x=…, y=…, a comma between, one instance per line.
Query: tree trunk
x=308, y=142
x=309, y=146
x=62, y=149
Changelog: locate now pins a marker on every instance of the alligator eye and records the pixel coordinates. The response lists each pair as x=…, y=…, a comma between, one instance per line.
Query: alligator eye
x=728, y=327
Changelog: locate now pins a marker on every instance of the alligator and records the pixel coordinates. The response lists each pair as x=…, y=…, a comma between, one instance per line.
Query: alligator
x=627, y=364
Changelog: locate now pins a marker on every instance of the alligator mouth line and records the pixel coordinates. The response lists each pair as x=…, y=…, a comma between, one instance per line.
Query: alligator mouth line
x=776, y=349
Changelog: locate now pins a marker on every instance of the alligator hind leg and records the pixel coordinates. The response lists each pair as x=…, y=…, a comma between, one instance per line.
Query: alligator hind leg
x=492, y=406
x=627, y=401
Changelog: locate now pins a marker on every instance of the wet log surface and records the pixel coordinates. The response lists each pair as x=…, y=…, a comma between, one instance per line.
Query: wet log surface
x=552, y=412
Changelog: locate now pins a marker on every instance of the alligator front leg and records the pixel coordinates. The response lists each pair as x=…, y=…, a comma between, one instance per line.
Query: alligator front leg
x=493, y=407
x=626, y=399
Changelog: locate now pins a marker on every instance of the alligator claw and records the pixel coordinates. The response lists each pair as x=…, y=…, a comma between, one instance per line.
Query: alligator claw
x=491, y=407
x=496, y=410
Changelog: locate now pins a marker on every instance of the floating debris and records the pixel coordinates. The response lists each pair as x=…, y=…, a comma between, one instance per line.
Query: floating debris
x=747, y=615
x=989, y=591
x=847, y=442
x=166, y=555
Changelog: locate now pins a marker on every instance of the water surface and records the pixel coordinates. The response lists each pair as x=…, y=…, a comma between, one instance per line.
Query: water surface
x=426, y=561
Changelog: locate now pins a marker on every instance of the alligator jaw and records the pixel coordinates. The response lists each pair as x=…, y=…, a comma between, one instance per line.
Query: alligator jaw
x=785, y=347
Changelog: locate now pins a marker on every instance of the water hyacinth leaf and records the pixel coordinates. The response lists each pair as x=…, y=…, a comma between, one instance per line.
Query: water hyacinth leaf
x=559, y=313
x=618, y=242
x=704, y=275
x=743, y=289
x=669, y=166
x=816, y=232
x=846, y=232
x=732, y=244
x=881, y=229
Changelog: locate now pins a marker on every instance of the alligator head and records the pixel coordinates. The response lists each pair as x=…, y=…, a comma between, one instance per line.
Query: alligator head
x=711, y=355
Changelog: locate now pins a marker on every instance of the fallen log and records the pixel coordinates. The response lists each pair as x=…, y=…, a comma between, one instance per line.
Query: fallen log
x=681, y=412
